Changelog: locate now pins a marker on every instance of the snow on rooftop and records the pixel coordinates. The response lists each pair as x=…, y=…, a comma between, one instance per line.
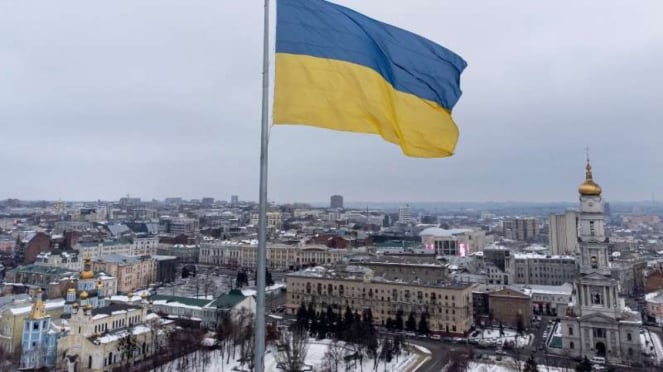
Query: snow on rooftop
x=49, y=305
x=437, y=231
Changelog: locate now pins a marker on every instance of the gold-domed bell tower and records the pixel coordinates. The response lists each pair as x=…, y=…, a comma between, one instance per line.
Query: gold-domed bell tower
x=87, y=272
x=589, y=187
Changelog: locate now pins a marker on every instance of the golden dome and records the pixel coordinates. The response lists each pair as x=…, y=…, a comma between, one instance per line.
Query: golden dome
x=130, y=295
x=143, y=295
x=88, y=307
x=75, y=305
x=70, y=290
x=87, y=272
x=99, y=283
x=589, y=187
x=84, y=295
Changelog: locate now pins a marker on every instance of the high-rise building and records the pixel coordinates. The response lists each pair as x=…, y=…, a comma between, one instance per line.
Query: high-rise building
x=207, y=201
x=234, y=200
x=336, y=202
x=597, y=322
x=404, y=214
x=563, y=233
x=521, y=228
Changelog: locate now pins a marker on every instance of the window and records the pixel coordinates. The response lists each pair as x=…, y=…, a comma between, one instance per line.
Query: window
x=630, y=351
x=35, y=326
x=571, y=345
x=628, y=336
x=570, y=331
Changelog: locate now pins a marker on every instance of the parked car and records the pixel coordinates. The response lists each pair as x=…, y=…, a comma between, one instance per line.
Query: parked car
x=435, y=337
x=410, y=334
x=598, y=360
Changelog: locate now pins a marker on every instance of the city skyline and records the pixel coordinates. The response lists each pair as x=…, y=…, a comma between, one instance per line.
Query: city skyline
x=168, y=104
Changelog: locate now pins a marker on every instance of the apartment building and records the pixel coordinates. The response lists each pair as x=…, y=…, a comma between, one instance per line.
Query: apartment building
x=137, y=247
x=131, y=272
x=280, y=257
x=448, y=305
x=531, y=268
x=563, y=233
x=523, y=229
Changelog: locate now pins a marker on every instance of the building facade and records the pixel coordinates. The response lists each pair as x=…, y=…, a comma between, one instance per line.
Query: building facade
x=448, y=306
x=131, y=272
x=136, y=247
x=563, y=233
x=524, y=229
x=453, y=242
x=39, y=344
x=336, y=202
x=598, y=323
x=280, y=257
x=531, y=268
x=510, y=307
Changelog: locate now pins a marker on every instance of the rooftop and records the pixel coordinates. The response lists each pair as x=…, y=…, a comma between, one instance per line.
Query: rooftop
x=41, y=269
x=112, y=308
x=362, y=273
x=437, y=231
x=228, y=300
x=177, y=300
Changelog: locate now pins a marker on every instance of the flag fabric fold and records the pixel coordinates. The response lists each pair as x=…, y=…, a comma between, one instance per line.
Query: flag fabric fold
x=338, y=69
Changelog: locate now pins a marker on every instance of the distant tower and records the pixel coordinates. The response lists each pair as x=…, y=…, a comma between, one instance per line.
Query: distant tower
x=336, y=202
x=234, y=200
x=404, y=214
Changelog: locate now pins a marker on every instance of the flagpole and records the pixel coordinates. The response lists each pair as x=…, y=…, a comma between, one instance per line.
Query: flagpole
x=262, y=208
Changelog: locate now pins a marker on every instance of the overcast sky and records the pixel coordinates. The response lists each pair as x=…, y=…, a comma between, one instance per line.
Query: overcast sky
x=162, y=98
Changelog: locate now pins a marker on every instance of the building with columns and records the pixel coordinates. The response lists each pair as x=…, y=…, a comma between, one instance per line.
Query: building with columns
x=597, y=322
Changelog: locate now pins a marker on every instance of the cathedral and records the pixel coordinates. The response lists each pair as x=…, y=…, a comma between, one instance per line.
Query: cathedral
x=597, y=322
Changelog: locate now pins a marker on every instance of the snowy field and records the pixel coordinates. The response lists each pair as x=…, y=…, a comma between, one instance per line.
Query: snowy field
x=491, y=337
x=651, y=345
x=509, y=366
x=208, y=361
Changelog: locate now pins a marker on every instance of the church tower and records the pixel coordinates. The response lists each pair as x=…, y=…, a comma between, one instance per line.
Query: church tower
x=597, y=323
x=596, y=290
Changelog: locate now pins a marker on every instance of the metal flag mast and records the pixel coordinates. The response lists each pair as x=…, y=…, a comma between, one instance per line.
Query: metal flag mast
x=262, y=206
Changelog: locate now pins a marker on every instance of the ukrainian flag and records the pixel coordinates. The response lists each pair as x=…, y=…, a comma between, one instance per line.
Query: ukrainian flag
x=338, y=69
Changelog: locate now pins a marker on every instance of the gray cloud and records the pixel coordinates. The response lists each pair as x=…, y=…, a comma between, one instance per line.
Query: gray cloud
x=162, y=98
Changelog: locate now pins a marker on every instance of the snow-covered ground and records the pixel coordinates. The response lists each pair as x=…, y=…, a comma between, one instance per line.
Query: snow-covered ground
x=271, y=289
x=314, y=358
x=492, y=336
x=507, y=366
x=651, y=345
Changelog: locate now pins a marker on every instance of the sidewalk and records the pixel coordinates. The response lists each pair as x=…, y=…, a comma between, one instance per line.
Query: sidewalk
x=423, y=355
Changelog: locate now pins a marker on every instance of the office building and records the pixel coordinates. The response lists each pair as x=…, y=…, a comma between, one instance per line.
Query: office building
x=336, y=202
x=563, y=233
x=523, y=229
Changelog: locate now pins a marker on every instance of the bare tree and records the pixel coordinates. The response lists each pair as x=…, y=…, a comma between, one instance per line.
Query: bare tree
x=459, y=360
x=292, y=347
x=514, y=363
x=127, y=346
x=334, y=355
x=9, y=361
x=247, y=349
